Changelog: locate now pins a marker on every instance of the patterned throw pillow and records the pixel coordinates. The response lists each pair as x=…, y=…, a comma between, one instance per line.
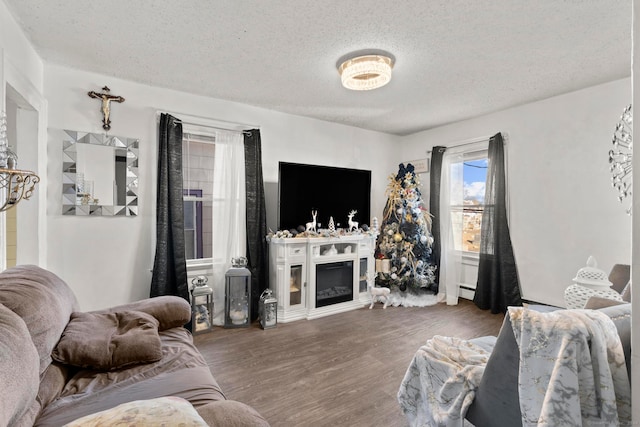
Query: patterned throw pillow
x=163, y=411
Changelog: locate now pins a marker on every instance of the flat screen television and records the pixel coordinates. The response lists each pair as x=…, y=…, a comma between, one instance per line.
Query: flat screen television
x=332, y=191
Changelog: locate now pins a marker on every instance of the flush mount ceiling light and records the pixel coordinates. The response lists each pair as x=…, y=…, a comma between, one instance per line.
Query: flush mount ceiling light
x=366, y=72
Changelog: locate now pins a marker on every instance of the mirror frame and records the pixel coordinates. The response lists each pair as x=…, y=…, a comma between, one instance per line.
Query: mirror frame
x=69, y=168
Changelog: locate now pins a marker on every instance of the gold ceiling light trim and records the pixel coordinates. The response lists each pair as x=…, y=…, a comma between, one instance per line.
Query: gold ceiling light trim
x=366, y=72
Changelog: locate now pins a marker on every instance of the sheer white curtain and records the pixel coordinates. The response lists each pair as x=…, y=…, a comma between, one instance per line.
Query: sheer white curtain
x=451, y=194
x=229, y=212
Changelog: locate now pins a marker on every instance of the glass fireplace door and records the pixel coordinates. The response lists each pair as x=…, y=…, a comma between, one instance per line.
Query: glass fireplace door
x=362, y=279
x=296, y=294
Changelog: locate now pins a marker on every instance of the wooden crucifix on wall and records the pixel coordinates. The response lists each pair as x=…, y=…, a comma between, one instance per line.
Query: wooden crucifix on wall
x=106, y=98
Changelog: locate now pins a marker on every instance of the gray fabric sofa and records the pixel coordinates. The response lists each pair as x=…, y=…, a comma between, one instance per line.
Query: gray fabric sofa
x=36, y=309
x=496, y=402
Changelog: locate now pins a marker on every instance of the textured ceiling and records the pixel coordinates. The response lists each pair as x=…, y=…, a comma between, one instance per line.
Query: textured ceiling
x=455, y=59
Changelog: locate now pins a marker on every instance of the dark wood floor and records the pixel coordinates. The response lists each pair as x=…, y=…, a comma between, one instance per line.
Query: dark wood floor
x=340, y=370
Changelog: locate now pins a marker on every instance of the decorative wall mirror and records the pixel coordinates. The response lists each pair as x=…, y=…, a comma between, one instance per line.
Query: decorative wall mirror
x=621, y=155
x=99, y=174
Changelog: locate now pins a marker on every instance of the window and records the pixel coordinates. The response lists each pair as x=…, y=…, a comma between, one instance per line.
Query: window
x=468, y=181
x=193, y=232
x=198, y=162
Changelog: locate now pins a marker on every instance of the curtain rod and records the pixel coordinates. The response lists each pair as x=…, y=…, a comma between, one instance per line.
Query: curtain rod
x=472, y=141
x=208, y=122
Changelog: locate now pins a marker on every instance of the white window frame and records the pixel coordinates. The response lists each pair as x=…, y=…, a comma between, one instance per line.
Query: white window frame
x=474, y=152
x=197, y=135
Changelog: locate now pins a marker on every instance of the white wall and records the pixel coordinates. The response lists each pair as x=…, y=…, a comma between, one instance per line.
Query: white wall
x=21, y=81
x=562, y=206
x=107, y=260
x=18, y=52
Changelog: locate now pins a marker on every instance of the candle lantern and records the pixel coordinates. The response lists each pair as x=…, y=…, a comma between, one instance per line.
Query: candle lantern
x=201, y=306
x=237, y=310
x=268, y=309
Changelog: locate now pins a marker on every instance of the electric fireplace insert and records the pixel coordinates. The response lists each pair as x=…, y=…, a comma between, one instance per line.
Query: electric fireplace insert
x=334, y=283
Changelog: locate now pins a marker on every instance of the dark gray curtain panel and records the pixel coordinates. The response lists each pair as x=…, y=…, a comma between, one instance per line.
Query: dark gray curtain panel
x=170, y=267
x=256, y=218
x=435, y=177
x=498, y=286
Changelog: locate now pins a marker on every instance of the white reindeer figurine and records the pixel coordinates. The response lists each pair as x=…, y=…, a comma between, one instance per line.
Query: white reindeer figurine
x=379, y=294
x=312, y=225
x=353, y=225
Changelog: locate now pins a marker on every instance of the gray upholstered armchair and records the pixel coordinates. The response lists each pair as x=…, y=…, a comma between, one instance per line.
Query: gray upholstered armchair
x=565, y=356
x=497, y=402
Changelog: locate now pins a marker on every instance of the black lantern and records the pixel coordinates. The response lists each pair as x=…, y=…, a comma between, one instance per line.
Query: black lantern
x=268, y=310
x=237, y=308
x=201, y=306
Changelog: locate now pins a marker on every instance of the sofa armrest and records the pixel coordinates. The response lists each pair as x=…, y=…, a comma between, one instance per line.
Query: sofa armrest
x=231, y=413
x=620, y=313
x=171, y=311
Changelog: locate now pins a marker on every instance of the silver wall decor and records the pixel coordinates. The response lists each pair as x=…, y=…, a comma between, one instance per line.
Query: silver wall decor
x=99, y=174
x=621, y=155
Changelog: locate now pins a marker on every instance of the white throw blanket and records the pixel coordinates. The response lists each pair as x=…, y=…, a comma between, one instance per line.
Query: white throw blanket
x=440, y=382
x=572, y=369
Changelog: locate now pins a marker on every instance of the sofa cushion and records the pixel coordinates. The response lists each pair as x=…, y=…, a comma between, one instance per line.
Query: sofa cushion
x=163, y=411
x=498, y=389
x=52, y=382
x=597, y=303
x=19, y=363
x=109, y=341
x=43, y=301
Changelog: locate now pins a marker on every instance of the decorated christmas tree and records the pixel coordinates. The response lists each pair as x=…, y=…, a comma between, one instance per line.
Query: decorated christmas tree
x=403, y=252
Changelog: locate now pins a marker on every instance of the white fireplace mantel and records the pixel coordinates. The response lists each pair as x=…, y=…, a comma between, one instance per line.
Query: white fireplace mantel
x=293, y=267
